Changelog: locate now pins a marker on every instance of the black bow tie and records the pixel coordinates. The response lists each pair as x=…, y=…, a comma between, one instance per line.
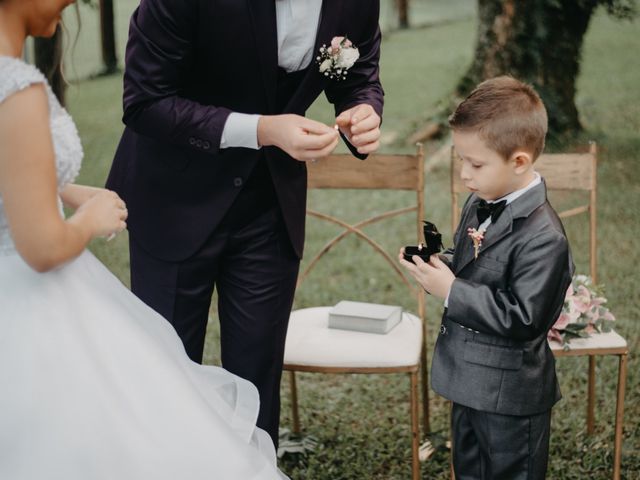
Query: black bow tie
x=493, y=210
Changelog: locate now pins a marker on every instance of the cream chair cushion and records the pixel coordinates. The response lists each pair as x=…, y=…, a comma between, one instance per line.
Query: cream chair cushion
x=599, y=341
x=310, y=342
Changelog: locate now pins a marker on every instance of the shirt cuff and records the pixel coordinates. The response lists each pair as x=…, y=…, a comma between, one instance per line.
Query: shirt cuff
x=240, y=130
x=446, y=300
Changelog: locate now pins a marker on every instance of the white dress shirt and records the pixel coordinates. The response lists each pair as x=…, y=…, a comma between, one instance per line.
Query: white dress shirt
x=297, y=26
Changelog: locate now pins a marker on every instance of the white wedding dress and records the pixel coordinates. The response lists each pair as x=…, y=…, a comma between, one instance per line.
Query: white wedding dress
x=96, y=385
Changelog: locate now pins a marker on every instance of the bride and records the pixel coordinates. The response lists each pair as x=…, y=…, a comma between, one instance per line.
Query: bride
x=95, y=385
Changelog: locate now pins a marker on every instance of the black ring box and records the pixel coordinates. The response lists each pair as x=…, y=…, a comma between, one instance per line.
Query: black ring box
x=433, y=244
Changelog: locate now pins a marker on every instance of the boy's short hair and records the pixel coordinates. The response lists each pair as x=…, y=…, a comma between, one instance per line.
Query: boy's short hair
x=506, y=113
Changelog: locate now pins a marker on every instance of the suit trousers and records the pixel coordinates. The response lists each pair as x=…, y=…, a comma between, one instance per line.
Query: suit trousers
x=254, y=269
x=490, y=446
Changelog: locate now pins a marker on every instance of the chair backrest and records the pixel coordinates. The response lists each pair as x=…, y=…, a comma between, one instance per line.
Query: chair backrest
x=563, y=172
x=377, y=172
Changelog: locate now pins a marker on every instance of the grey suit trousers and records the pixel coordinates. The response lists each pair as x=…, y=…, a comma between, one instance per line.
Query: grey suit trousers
x=490, y=446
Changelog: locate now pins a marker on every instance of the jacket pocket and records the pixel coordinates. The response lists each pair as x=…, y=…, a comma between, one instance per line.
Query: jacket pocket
x=493, y=356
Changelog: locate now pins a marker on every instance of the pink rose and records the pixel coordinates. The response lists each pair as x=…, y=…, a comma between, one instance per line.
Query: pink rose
x=553, y=334
x=569, y=292
x=336, y=44
x=562, y=322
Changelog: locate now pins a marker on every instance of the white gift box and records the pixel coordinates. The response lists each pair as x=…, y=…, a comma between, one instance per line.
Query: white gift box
x=364, y=317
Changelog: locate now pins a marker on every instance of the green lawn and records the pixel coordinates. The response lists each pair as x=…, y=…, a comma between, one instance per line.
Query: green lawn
x=360, y=421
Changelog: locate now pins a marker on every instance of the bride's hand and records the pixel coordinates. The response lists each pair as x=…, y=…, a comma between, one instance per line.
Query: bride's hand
x=73, y=195
x=105, y=213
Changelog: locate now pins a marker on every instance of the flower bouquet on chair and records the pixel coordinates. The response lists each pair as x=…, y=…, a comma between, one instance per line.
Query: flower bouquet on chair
x=583, y=312
x=433, y=244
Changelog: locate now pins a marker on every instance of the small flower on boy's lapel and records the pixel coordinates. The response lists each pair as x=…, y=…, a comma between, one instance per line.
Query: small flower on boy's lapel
x=476, y=236
x=335, y=60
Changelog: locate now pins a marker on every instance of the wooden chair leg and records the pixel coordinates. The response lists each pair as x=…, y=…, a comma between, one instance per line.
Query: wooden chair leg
x=294, y=403
x=617, y=445
x=451, y=471
x=591, y=395
x=425, y=390
x=415, y=428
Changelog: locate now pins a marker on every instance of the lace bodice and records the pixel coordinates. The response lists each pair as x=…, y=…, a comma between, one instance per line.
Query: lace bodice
x=16, y=75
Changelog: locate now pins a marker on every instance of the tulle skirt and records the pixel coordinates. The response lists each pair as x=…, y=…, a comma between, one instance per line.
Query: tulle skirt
x=96, y=385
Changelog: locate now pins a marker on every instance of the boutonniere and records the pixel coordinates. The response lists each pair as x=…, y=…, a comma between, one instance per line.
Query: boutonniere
x=476, y=236
x=336, y=59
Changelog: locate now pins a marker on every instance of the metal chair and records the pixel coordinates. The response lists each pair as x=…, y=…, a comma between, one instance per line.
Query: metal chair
x=310, y=345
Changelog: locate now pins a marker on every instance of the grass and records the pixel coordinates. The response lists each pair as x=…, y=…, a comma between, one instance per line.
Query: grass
x=362, y=421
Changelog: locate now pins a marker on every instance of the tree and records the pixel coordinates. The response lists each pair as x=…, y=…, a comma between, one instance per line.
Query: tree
x=403, y=13
x=108, y=37
x=540, y=42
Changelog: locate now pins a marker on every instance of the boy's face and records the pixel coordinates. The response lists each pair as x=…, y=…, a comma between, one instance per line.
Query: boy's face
x=485, y=172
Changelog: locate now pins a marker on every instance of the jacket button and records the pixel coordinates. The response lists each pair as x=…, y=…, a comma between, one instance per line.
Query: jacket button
x=192, y=141
x=443, y=330
x=199, y=143
x=206, y=145
x=237, y=182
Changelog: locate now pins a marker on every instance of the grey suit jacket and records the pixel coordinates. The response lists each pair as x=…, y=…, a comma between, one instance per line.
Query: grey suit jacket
x=492, y=353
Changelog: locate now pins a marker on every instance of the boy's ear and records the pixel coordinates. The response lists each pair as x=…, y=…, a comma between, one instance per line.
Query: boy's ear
x=522, y=161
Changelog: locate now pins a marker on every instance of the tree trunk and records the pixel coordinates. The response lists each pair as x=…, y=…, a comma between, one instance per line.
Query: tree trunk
x=108, y=37
x=48, y=58
x=536, y=41
x=403, y=13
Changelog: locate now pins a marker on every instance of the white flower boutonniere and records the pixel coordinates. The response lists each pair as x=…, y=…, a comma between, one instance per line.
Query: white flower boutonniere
x=336, y=59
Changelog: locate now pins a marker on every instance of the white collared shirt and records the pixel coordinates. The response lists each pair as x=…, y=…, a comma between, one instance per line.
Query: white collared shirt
x=511, y=197
x=297, y=26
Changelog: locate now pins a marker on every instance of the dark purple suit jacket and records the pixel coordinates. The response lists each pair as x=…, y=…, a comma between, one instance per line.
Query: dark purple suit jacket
x=190, y=63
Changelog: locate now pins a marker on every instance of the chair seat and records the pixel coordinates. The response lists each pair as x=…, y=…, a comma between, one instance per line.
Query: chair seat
x=609, y=342
x=310, y=342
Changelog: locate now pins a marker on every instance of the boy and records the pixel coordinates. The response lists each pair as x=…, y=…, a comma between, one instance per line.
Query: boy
x=503, y=288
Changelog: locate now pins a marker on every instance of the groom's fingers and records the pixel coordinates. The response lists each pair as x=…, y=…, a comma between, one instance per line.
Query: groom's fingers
x=322, y=152
x=366, y=123
x=365, y=138
x=317, y=142
x=369, y=148
x=316, y=128
x=344, y=119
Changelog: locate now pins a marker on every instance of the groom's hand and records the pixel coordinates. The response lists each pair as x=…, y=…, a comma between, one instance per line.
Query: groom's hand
x=361, y=126
x=300, y=137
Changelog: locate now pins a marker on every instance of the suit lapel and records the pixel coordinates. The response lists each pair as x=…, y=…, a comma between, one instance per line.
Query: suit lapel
x=263, y=18
x=497, y=231
x=330, y=15
x=465, y=244
x=521, y=207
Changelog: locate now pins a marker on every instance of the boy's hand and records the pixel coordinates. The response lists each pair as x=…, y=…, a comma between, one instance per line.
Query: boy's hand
x=434, y=276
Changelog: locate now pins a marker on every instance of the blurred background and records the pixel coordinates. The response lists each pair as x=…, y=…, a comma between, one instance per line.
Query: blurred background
x=581, y=55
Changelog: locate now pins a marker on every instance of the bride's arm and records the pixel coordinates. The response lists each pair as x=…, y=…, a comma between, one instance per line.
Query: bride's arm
x=73, y=195
x=29, y=190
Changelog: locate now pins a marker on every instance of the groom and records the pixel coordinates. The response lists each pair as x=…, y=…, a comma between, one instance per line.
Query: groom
x=212, y=161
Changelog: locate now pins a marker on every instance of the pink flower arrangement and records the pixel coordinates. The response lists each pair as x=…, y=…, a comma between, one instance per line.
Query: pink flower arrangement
x=583, y=312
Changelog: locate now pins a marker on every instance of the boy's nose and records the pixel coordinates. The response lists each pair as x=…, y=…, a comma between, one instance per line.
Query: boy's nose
x=464, y=173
